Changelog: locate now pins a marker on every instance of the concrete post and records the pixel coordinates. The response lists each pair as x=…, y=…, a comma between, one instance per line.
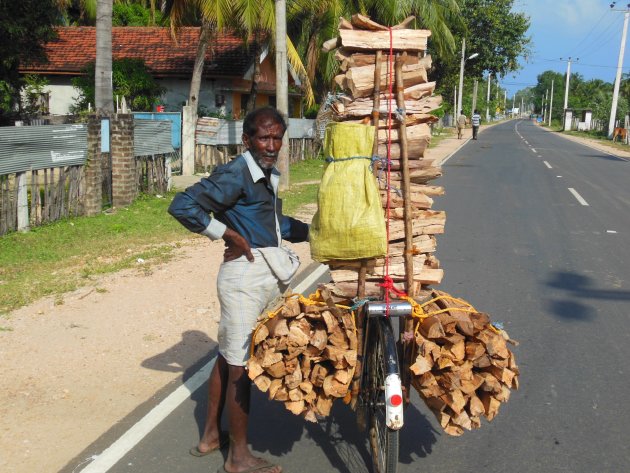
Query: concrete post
x=189, y=124
x=568, y=119
x=22, y=202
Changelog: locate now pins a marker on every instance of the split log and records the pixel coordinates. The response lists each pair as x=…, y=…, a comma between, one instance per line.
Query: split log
x=344, y=107
x=447, y=370
x=306, y=359
x=400, y=40
x=359, y=81
x=350, y=59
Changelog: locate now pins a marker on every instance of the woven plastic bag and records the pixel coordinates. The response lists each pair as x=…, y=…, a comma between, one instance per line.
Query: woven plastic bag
x=349, y=223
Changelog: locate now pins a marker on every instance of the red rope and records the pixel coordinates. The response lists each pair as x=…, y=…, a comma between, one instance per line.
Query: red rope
x=388, y=283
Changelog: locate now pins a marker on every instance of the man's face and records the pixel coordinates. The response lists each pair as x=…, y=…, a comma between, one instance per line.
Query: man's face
x=266, y=142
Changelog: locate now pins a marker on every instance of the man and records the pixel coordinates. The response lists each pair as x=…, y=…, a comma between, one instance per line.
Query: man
x=476, y=121
x=256, y=269
x=461, y=124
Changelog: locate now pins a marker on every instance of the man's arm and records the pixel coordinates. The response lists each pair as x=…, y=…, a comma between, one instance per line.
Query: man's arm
x=293, y=230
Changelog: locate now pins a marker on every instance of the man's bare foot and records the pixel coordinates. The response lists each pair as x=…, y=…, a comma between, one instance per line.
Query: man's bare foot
x=252, y=465
x=210, y=445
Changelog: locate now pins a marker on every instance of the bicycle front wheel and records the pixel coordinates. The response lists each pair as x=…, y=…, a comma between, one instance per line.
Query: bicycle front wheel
x=382, y=353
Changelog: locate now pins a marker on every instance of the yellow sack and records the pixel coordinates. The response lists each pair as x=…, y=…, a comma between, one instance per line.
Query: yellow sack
x=349, y=223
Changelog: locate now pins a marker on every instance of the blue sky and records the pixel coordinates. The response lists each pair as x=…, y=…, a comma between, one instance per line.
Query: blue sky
x=584, y=29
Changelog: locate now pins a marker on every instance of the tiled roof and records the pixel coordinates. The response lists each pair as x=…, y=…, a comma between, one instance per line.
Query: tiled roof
x=76, y=47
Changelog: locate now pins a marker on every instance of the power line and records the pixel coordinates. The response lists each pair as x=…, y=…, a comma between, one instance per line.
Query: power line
x=589, y=33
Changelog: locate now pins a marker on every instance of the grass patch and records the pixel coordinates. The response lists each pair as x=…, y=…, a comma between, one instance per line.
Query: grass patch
x=65, y=255
x=307, y=170
x=444, y=134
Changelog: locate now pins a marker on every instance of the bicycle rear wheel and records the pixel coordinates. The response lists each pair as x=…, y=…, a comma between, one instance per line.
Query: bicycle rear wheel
x=381, y=355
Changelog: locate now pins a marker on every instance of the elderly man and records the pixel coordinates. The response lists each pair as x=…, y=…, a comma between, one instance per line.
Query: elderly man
x=242, y=197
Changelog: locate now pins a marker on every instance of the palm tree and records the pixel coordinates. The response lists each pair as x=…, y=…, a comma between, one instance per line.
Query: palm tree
x=253, y=19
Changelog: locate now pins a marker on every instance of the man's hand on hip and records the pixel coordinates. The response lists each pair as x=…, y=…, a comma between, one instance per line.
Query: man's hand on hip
x=236, y=246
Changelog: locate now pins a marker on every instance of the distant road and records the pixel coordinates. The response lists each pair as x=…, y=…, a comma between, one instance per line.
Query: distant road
x=537, y=235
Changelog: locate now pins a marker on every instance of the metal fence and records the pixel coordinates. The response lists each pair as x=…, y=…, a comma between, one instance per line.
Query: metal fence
x=218, y=140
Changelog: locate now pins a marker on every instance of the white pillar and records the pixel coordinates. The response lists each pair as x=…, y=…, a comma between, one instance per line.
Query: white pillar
x=613, y=108
x=189, y=123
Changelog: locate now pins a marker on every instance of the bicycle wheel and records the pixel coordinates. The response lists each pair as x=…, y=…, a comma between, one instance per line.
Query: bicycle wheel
x=382, y=353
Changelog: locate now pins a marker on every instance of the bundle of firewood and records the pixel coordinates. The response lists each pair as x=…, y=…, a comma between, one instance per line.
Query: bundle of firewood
x=305, y=354
x=401, y=119
x=463, y=368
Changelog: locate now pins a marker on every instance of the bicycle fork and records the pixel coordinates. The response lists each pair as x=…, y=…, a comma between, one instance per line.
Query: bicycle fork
x=393, y=386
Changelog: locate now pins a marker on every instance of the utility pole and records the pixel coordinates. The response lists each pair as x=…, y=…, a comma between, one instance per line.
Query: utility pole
x=513, y=100
x=488, y=99
x=622, y=48
x=461, y=79
x=566, y=89
x=455, y=111
x=550, y=103
x=475, y=88
x=521, y=109
x=282, y=88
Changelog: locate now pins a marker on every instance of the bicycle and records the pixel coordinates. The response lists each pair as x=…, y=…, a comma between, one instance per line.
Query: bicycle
x=380, y=394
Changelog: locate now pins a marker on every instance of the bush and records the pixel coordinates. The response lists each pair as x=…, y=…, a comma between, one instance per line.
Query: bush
x=131, y=80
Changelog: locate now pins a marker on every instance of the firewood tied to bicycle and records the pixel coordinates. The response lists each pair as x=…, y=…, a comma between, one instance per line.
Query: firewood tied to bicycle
x=376, y=231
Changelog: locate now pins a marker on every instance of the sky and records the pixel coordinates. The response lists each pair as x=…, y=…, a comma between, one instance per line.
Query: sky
x=587, y=31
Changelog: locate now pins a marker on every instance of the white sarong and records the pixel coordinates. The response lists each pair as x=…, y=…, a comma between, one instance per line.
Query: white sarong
x=244, y=290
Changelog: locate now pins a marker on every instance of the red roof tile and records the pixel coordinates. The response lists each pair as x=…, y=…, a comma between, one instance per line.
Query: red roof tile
x=75, y=48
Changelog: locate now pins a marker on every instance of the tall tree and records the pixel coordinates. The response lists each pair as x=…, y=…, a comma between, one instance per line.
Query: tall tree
x=104, y=100
x=25, y=27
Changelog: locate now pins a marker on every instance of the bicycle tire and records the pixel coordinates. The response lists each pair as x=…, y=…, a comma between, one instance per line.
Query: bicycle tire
x=384, y=442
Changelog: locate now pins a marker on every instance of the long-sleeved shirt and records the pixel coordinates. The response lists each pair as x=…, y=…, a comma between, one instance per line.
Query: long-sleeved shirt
x=240, y=197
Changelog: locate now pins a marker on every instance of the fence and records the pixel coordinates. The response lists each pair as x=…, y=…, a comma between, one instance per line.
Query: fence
x=43, y=173
x=218, y=140
x=46, y=159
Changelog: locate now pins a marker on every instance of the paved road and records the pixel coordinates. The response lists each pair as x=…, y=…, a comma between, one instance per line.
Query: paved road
x=523, y=247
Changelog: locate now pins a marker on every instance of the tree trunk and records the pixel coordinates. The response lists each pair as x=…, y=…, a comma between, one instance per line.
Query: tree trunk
x=251, y=102
x=103, y=93
x=205, y=35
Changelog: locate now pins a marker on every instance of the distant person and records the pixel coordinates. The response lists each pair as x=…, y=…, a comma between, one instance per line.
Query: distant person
x=476, y=121
x=462, y=120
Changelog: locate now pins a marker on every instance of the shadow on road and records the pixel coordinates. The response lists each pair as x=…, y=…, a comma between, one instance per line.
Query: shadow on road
x=578, y=286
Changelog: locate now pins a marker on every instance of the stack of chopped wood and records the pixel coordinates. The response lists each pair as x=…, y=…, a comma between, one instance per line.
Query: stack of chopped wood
x=463, y=369
x=305, y=355
x=368, y=69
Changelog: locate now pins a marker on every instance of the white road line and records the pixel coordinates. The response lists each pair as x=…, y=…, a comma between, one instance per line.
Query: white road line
x=112, y=454
x=547, y=164
x=533, y=150
x=579, y=198
x=558, y=176
x=611, y=231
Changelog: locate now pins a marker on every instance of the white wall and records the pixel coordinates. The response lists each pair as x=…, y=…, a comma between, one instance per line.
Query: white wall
x=63, y=95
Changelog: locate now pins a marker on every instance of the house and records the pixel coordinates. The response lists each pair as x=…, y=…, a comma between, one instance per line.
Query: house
x=227, y=75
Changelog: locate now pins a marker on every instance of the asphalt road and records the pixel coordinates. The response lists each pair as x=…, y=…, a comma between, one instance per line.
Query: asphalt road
x=523, y=247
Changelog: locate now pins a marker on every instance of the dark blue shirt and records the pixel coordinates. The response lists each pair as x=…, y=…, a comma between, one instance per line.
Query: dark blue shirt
x=240, y=197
